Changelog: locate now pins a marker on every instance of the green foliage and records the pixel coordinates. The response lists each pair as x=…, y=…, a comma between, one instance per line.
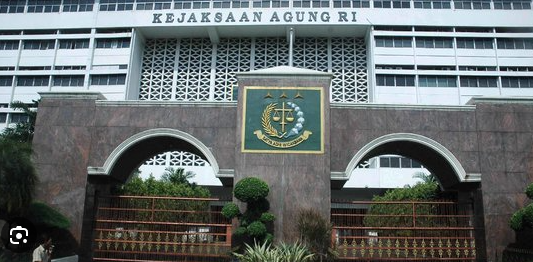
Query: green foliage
x=401, y=212
x=230, y=210
x=516, y=220
x=42, y=215
x=528, y=216
x=240, y=231
x=177, y=176
x=267, y=217
x=250, y=189
x=315, y=232
x=17, y=176
x=22, y=132
x=529, y=191
x=283, y=253
x=152, y=187
x=256, y=229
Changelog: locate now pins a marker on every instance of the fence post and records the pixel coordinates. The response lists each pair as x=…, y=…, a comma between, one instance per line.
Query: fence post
x=228, y=235
x=333, y=237
x=414, y=214
x=153, y=208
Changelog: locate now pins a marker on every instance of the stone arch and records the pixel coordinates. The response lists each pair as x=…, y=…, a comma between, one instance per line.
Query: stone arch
x=139, y=147
x=435, y=157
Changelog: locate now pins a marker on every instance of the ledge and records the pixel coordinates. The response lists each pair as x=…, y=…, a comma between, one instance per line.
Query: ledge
x=405, y=106
x=500, y=100
x=72, y=95
x=283, y=71
x=141, y=103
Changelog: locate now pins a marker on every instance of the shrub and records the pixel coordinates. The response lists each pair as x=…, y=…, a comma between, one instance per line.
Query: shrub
x=529, y=191
x=267, y=217
x=527, y=219
x=231, y=210
x=516, y=220
x=251, y=189
x=257, y=229
x=41, y=214
x=282, y=253
x=315, y=232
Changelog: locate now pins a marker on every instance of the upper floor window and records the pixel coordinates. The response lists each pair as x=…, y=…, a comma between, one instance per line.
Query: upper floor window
x=153, y=4
x=395, y=67
x=9, y=44
x=512, y=4
x=107, y=80
x=515, y=43
x=391, y=3
x=75, y=80
x=39, y=44
x=437, y=81
x=389, y=41
x=3, y=118
x=351, y=3
x=12, y=6
x=395, y=80
x=32, y=80
x=479, y=81
x=116, y=5
x=435, y=67
x=433, y=4
x=472, y=4
x=44, y=6
x=477, y=68
x=517, y=82
x=73, y=43
x=516, y=68
x=6, y=80
x=18, y=118
x=475, y=43
x=70, y=67
x=78, y=5
x=398, y=162
x=113, y=43
x=184, y=4
x=434, y=42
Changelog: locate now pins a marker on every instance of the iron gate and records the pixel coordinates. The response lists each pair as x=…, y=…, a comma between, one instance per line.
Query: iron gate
x=138, y=228
x=403, y=231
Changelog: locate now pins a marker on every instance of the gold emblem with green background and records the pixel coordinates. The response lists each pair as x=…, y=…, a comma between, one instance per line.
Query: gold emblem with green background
x=282, y=120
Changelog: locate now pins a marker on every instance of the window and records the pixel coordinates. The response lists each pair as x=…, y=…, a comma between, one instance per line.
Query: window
x=396, y=67
x=437, y=81
x=6, y=80
x=9, y=44
x=479, y=81
x=301, y=3
x=395, y=80
x=113, y=43
x=351, y=3
x=515, y=43
x=436, y=67
x=477, y=68
x=18, y=118
x=387, y=41
x=517, y=82
x=391, y=4
x=12, y=6
x=222, y=4
x=433, y=29
x=398, y=162
x=472, y=4
x=153, y=4
x=434, y=42
x=43, y=6
x=182, y=4
x=474, y=43
x=116, y=5
x=32, y=80
x=107, y=80
x=3, y=118
x=512, y=4
x=474, y=29
x=393, y=28
x=516, y=68
x=76, y=80
x=38, y=44
x=433, y=4
x=78, y=5
x=7, y=68
x=319, y=3
x=73, y=43
x=34, y=68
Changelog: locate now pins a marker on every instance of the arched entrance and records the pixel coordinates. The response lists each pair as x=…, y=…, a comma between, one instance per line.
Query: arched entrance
x=155, y=227
x=408, y=227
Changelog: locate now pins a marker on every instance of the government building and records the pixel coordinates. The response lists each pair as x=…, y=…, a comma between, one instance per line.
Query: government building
x=402, y=86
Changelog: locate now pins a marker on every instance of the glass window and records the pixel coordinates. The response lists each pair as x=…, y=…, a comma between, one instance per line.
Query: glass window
x=474, y=43
x=153, y=4
x=78, y=5
x=40, y=6
x=113, y=43
x=479, y=81
x=386, y=41
x=384, y=162
x=517, y=82
x=395, y=80
x=394, y=162
x=32, y=80
x=76, y=80
x=73, y=43
x=9, y=44
x=107, y=80
x=38, y=44
x=12, y=6
x=6, y=80
x=116, y=5
x=434, y=42
x=18, y=118
x=3, y=118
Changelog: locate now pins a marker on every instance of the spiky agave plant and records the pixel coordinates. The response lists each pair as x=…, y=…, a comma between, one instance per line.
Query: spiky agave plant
x=295, y=252
x=259, y=253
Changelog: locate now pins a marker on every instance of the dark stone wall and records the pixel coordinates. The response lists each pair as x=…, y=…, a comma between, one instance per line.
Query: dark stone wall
x=492, y=138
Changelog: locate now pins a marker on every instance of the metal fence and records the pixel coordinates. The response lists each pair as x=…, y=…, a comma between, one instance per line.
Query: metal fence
x=137, y=228
x=403, y=231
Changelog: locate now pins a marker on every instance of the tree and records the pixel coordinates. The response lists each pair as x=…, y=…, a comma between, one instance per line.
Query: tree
x=426, y=178
x=23, y=131
x=178, y=176
x=17, y=176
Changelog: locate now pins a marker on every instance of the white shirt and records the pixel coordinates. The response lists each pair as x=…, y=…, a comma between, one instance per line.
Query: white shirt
x=40, y=254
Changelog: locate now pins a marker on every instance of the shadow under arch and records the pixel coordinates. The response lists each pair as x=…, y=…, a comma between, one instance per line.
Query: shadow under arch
x=127, y=156
x=434, y=156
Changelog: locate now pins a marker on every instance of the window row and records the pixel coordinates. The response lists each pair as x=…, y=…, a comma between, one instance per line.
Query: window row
x=48, y=6
x=454, y=68
x=64, y=44
x=13, y=118
x=64, y=80
x=451, y=81
x=398, y=162
x=447, y=42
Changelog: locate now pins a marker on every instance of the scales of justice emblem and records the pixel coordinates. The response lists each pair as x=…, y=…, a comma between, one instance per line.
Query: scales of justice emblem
x=283, y=123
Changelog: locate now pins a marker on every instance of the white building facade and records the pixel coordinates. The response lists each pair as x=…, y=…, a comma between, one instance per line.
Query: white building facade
x=402, y=52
